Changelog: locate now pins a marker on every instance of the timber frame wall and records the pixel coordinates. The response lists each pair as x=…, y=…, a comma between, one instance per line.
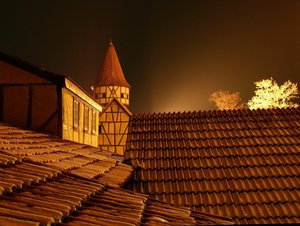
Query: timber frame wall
x=113, y=127
x=35, y=99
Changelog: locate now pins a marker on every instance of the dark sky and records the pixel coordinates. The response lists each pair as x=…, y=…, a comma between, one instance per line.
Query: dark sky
x=173, y=53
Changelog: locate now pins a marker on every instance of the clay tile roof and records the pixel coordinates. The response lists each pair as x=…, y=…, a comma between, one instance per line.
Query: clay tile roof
x=45, y=180
x=111, y=73
x=242, y=164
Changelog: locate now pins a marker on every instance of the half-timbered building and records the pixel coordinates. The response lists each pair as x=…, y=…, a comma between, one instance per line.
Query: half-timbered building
x=36, y=99
x=111, y=90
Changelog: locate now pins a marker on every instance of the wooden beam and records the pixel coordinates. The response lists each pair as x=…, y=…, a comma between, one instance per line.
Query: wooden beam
x=1, y=102
x=29, y=84
x=42, y=127
x=59, y=111
x=29, y=109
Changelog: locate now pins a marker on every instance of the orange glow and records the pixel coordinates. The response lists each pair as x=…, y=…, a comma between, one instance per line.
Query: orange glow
x=269, y=94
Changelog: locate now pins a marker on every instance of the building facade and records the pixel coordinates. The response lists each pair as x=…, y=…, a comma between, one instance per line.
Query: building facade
x=36, y=99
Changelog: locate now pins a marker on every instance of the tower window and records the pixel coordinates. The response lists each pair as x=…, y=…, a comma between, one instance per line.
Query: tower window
x=124, y=95
x=100, y=95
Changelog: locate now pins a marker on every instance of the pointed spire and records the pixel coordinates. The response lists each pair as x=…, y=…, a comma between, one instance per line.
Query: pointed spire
x=111, y=73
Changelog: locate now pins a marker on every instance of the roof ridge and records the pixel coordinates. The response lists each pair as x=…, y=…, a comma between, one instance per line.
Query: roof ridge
x=217, y=112
x=25, y=65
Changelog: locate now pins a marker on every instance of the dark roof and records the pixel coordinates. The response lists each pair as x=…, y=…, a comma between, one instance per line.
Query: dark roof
x=242, y=164
x=46, y=180
x=111, y=73
x=41, y=72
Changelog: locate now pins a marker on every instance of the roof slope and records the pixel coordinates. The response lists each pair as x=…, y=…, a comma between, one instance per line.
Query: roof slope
x=46, y=180
x=61, y=80
x=112, y=101
x=243, y=164
x=111, y=73
x=41, y=72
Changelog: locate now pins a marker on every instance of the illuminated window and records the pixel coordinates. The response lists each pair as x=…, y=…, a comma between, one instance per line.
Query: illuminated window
x=76, y=110
x=86, y=119
x=94, y=126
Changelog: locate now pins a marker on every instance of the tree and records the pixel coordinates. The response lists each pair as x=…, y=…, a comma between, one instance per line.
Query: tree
x=226, y=100
x=269, y=94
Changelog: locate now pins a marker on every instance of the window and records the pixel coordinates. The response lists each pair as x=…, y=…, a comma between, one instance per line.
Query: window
x=124, y=95
x=100, y=95
x=76, y=110
x=86, y=119
x=94, y=126
x=100, y=129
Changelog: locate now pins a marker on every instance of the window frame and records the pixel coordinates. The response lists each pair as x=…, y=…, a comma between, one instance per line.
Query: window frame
x=76, y=114
x=94, y=121
x=86, y=119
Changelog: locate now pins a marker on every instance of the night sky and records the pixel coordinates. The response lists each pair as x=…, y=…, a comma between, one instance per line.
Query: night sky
x=173, y=53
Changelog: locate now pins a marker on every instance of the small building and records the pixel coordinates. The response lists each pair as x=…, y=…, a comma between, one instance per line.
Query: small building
x=111, y=90
x=36, y=99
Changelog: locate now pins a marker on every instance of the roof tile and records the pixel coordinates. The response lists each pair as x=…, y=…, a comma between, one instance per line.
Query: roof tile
x=241, y=163
x=45, y=180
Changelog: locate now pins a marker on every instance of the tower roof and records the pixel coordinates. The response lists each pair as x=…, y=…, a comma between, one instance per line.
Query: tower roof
x=111, y=73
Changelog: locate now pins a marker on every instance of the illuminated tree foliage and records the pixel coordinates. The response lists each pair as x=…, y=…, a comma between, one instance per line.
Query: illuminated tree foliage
x=269, y=94
x=226, y=100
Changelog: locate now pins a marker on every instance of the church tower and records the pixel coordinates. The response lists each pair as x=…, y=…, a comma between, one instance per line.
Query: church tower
x=111, y=90
x=111, y=82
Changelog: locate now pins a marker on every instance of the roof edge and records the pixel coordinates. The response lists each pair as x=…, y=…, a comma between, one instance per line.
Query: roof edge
x=119, y=103
x=61, y=80
x=72, y=86
x=39, y=71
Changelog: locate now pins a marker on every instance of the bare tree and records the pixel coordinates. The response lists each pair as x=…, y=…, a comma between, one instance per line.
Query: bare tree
x=226, y=100
x=269, y=94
